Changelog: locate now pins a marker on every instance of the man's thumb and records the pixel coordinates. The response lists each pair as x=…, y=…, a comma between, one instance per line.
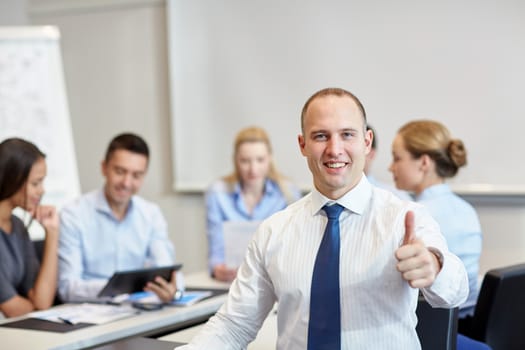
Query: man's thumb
x=409, y=228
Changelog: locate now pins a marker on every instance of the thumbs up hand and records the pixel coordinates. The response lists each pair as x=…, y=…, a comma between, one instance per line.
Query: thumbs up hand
x=418, y=265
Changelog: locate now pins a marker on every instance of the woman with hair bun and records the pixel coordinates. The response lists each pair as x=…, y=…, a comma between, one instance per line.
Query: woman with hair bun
x=424, y=156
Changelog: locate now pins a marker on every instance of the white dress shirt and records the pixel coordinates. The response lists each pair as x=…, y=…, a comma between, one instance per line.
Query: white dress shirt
x=377, y=305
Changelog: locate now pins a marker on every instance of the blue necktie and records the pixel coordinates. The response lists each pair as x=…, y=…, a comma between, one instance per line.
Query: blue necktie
x=324, y=326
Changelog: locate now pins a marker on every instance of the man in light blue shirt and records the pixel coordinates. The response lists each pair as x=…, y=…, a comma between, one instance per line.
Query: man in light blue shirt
x=112, y=229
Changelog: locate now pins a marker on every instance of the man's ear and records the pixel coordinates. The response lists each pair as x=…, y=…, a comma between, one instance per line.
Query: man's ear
x=369, y=137
x=301, y=141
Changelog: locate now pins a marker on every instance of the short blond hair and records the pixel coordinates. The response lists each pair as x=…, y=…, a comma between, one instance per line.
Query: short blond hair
x=332, y=91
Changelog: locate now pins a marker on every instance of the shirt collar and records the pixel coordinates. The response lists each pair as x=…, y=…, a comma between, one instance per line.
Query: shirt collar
x=433, y=191
x=270, y=188
x=356, y=200
x=102, y=205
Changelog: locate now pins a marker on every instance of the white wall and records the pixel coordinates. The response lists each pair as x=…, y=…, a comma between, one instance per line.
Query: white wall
x=503, y=234
x=13, y=12
x=237, y=63
x=115, y=59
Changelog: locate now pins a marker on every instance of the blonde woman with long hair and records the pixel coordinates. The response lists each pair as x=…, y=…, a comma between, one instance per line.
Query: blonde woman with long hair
x=253, y=191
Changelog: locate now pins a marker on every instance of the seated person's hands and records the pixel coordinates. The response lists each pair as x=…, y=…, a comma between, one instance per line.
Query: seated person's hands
x=47, y=216
x=223, y=273
x=165, y=290
x=417, y=264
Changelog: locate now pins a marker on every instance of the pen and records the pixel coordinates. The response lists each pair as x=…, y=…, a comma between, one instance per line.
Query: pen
x=66, y=321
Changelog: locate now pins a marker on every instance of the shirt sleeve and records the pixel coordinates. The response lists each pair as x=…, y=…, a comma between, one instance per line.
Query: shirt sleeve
x=214, y=221
x=161, y=251
x=250, y=299
x=7, y=290
x=31, y=267
x=71, y=286
x=450, y=288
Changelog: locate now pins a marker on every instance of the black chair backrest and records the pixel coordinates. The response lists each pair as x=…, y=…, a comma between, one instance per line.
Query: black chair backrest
x=500, y=310
x=437, y=328
x=39, y=248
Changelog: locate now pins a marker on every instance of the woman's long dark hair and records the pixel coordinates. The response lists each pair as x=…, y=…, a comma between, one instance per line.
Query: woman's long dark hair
x=17, y=156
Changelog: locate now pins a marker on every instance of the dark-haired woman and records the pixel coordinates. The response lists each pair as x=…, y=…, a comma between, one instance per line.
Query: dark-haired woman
x=25, y=285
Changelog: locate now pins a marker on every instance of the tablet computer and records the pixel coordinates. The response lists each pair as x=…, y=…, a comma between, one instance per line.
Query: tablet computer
x=132, y=281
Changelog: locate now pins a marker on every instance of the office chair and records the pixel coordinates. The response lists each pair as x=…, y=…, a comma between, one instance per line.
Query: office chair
x=500, y=310
x=436, y=327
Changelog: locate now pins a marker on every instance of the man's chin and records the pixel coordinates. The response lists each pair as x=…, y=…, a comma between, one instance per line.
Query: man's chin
x=120, y=200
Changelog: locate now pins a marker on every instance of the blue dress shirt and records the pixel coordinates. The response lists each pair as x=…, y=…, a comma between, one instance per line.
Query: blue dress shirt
x=223, y=204
x=94, y=243
x=460, y=225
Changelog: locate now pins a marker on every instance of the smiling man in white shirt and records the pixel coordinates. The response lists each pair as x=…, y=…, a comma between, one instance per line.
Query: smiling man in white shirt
x=389, y=249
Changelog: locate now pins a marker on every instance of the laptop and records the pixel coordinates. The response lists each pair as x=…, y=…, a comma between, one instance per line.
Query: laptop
x=131, y=281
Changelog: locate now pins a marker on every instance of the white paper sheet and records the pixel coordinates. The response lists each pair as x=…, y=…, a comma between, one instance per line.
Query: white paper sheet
x=85, y=313
x=237, y=236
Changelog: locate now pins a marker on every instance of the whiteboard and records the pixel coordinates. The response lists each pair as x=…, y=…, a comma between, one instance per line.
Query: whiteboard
x=33, y=104
x=235, y=63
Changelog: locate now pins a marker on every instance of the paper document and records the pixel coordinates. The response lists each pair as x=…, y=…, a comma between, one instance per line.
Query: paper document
x=85, y=313
x=237, y=236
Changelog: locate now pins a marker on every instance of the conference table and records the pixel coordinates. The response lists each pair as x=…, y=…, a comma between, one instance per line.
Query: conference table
x=266, y=337
x=146, y=324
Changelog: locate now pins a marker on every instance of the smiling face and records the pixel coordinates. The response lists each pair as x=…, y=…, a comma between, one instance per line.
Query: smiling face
x=253, y=160
x=28, y=196
x=124, y=172
x=335, y=144
x=407, y=171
